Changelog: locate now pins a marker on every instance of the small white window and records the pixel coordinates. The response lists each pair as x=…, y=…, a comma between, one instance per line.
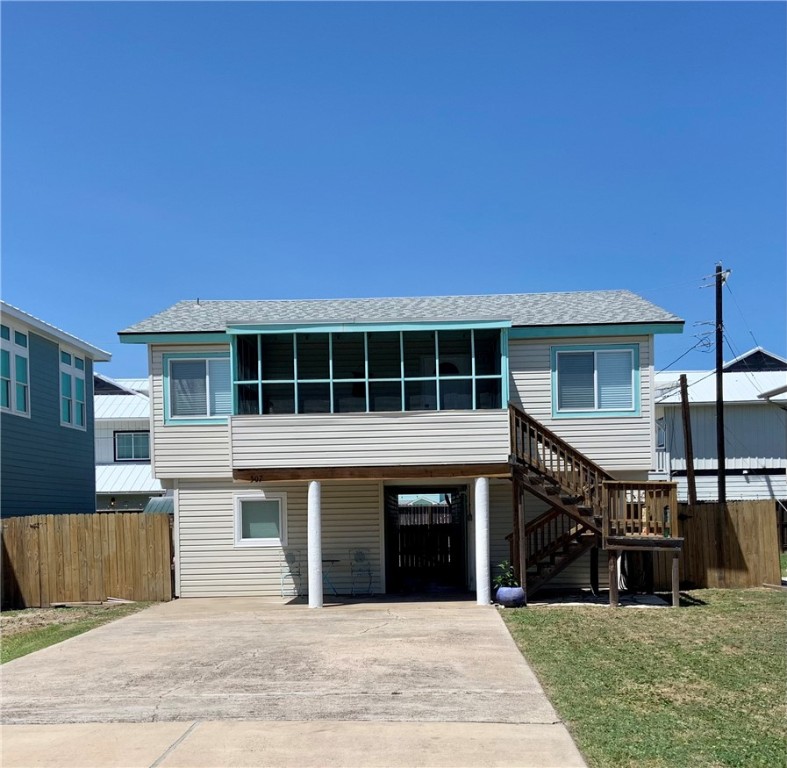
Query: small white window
x=14, y=371
x=73, y=412
x=600, y=380
x=261, y=520
x=132, y=446
x=199, y=388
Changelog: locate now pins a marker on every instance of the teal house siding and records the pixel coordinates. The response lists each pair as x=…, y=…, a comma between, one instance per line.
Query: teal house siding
x=46, y=467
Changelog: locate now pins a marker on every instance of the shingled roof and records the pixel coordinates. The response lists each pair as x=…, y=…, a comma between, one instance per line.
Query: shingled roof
x=524, y=309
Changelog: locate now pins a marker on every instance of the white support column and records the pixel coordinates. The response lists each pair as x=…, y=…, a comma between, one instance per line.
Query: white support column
x=481, y=515
x=314, y=538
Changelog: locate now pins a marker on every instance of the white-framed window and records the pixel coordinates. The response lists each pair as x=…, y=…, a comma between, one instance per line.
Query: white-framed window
x=132, y=446
x=73, y=412
x=198, y=387
x=595, y=382
x=260, y=519
x=14, y=371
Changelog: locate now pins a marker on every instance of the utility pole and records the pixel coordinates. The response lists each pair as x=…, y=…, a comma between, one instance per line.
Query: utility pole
x=687, y=442
x=720, y=387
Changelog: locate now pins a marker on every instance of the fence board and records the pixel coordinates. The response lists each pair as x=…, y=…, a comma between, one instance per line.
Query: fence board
x=72, y=558
x=725, y=546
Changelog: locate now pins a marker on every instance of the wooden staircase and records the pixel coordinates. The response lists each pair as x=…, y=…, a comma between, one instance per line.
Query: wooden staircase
x=587, y=508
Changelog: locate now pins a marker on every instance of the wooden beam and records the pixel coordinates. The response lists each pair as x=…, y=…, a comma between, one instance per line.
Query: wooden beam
x=612, y=564
x=687, y=442
x=398, y=472
x=675, y=580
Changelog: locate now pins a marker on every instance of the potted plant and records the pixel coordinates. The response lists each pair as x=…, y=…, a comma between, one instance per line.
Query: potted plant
x=509, y=593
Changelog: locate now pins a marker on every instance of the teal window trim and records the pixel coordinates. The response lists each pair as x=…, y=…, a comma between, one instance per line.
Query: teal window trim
x=17, y=383
x=596, y=413
x=165, y=361
x=602, y=329
x=174, y=338
x=447, y=325
x=473, y=377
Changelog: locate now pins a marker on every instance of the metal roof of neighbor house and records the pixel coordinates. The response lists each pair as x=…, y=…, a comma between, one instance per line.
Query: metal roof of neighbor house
x=134, y=406
x=738, y=387
x=138, y=385
x=53, y=332
x=526, y=309
x=159, y=505
x=126, y=478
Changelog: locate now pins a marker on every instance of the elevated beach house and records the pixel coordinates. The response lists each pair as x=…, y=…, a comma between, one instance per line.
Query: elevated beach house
x=295, y=435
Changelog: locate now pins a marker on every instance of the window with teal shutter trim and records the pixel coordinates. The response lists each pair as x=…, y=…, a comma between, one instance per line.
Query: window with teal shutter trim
x=5, y=378
x=199, y=388
x=601, y=381
x=73, y=409
x=14, y=371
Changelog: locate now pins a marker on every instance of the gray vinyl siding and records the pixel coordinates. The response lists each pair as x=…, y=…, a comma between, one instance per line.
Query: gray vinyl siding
x=188, y=450
x=370, y=439
x=211, y=565
x=47, y=468
x=616, y=443
x=755, y=436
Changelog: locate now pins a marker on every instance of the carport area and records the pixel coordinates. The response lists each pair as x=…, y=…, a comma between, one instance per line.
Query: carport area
x=292, y=670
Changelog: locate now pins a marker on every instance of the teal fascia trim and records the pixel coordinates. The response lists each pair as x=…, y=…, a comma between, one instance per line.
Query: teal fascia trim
x=174, y=338
x=583, y=331
x=637, y=384
x=165, y=358
x=448, y=325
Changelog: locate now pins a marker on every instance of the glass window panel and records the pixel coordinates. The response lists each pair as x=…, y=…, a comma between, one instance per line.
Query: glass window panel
x=384, y=355
x=575, y=381
x=260, y=519
x=488, y=393
x=487, y=352
x=615, y=389
x=349, y=397
x=65, y=358
x=5, y=364
x=385, y=396
x=65, y=408
x=21, y=369
x=248, y=398
x=79, y=386
x=278, y=398
x=348, y=356
x=124, y=446
x=5, y=332
x=21, y=398
x=20, y=339
x=312, y=356
x=188, y=390
x=79, y=413
x=5, y=393
x=455, y=351
x=314, y=398
x=220, y=387
x=456, y=394
x=65, y=384
x=248, y=357
x=142, y=445
x=419, y=354
x=79, y=363
x=277, y=357
x=420, y=395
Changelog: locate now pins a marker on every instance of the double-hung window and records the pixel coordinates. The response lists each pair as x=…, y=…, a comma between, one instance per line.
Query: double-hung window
x=72, y=390
x=198, y=387
x=132, y=446
x=590, y=381
x=260, y=519
x=14, y=371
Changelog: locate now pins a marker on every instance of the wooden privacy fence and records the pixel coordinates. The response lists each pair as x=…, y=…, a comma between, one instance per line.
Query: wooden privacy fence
x=71, y=558
x=734, y=545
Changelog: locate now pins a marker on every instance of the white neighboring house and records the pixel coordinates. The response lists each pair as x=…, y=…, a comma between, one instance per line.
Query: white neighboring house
x=124, y=481
x=755, y=428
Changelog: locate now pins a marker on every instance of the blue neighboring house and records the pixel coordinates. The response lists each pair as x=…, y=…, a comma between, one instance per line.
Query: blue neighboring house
x=47, y=460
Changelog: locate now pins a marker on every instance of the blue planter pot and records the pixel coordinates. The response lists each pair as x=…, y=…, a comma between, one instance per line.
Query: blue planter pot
x=511, y=597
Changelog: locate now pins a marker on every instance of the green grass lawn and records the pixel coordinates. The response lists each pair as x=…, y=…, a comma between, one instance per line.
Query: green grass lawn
x=783, y=563
x=25, y=631
x=702, y=685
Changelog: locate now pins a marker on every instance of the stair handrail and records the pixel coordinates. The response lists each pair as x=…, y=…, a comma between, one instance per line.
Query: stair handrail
x=570, y=468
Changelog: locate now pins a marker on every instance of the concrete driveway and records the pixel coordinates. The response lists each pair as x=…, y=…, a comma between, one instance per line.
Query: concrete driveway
x=211, y=661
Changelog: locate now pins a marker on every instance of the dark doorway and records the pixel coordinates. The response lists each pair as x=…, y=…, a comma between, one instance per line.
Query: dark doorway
x=425, y=539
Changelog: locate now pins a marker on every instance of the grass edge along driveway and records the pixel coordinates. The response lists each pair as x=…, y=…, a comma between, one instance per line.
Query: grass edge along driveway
x=30, y=629
x=703, y=685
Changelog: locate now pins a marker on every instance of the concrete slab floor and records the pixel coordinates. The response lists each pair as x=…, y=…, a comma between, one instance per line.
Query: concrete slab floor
x=315, y=744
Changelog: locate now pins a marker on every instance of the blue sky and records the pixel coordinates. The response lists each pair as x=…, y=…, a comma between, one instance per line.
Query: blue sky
x=153, y=152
